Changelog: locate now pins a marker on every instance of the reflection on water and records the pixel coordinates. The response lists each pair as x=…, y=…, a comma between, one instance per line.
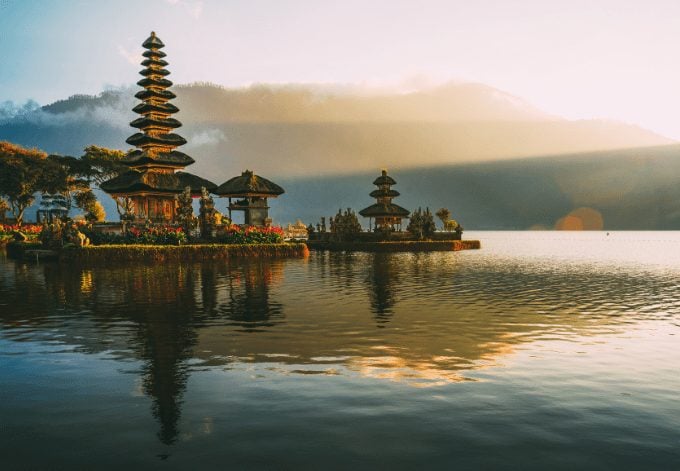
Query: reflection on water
x=423, y=320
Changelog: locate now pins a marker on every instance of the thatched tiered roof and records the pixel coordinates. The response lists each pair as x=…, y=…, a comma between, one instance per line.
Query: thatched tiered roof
x=155, y=159
x=384, y=208
x=156, y=141
x=136, y=181
x=249, y=184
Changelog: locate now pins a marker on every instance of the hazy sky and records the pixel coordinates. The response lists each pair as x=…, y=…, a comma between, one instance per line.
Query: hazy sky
x=617, y=59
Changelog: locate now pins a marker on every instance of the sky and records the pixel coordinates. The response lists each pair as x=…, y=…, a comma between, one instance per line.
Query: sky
x=603, y=59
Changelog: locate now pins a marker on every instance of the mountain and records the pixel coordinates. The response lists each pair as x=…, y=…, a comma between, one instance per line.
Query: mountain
x=633, y=189
x=311, y=130
x=461, y=146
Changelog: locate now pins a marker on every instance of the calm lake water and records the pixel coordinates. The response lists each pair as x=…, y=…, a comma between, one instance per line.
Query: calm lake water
x=542, y=351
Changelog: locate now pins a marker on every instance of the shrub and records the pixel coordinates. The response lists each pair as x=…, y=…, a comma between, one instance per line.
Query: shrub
x=156, y=235
x=234, y=234
x=31, y=231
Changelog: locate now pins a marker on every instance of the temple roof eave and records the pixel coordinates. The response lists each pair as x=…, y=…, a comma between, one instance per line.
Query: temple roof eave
x=169, y=140
x=249, y=184
x=174, y=158
x=384, y=193
x=175, y=183
x=385, y=210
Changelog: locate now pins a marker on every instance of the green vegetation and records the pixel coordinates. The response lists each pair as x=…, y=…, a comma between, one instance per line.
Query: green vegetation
x=234, y=234
x=345, y=226
x=153, y=235
x=450, y=225
x=28, y=231
x=207, y=213
x=421, y=225
x=63, y=181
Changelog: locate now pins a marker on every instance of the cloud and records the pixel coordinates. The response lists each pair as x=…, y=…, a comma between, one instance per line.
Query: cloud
x=132, y=56
x=209, y=137
x=10, y=110
x=193, y=7
x=114, y=112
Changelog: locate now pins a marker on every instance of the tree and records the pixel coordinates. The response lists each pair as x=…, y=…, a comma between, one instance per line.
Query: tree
x=207, y=213
x=4, y=207
x=106, y=164
x=22, y=173
x=429, y=226
x=185, y=211
x=96, y=213
x=444, y=215
x=93, y=209
x=415, y=224
x=68, y=177
x=345, y=225
x=451, y=225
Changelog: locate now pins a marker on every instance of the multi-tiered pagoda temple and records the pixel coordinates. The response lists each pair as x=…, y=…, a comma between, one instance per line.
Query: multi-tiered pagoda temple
x=154, y=180
x=387, y=215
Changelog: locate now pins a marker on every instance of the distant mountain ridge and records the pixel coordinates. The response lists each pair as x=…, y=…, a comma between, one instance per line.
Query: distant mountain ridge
x=462, y=146
x=309, y=130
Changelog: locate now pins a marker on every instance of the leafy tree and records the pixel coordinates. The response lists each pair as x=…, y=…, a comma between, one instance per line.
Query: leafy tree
x=444, y=215
x=429, y=226
x=421, y=224
x=22, y=175
x=415, y=224
x=207, y=213
x=67, y=176
x=104, y=165
x=96, y=213
x=4, y=207
x=185, y=211
x=87, y=201
x=345, y=225
x=451, y=225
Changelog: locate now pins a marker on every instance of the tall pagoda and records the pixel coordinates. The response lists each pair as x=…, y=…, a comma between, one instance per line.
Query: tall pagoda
x=387, y=215
x=154, y=178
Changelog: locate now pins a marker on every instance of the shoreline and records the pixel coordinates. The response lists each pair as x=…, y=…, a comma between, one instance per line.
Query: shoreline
x=156, y=253
x=397, y=246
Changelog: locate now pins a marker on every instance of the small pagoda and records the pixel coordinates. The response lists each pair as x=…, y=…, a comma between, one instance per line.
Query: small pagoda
x=154, y=178
x=385, y=214
x=251, y=192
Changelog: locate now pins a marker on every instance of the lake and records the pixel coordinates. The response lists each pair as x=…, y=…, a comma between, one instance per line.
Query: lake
x=543, y=350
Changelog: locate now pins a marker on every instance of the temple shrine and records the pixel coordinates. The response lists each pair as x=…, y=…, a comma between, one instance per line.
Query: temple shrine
x=385, y=214
x=251, y=192
x=154, y=178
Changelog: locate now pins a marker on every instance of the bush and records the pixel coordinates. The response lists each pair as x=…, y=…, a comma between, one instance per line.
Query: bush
x=234, y=234
x=157, y=235
x=31, y=231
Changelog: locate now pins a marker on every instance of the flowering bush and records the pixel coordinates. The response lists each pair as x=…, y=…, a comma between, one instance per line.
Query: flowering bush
x=30, y=230
x=234, y=234
x=157, y=235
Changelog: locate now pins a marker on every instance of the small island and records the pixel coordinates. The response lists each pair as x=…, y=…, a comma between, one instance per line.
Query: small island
x=385, y=227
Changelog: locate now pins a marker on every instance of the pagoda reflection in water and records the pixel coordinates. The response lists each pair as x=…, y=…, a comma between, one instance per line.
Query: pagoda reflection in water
x=365, y=312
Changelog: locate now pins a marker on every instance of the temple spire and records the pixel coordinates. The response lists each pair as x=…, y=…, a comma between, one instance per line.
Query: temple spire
x=156, y=122
x=386, y=214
